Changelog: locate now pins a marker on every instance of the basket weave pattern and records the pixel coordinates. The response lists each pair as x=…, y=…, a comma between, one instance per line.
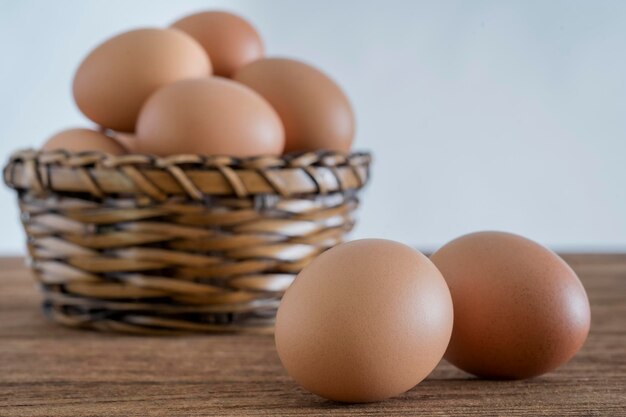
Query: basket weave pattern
x=186, y=243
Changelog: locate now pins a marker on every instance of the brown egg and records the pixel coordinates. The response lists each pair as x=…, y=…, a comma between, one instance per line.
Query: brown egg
x=519, y=309
x=211, y=116
x=80, y=140
x=315, y=112
x=365, y=321
x=116, y=78
x=127, y=140
x=230, y=41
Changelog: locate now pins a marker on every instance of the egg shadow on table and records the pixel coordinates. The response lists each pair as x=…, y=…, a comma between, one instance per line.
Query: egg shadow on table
x=445, y=384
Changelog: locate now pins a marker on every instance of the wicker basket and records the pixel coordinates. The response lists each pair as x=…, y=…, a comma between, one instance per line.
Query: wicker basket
x=186, y=243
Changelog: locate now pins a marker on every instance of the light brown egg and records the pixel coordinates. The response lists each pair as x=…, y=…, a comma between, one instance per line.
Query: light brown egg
x=365, y=321
x=230, y=41
x=116, y=78
x=210, y=116
x=519, y=309
x=315, y=112
x=80, y=140
x=127, y=140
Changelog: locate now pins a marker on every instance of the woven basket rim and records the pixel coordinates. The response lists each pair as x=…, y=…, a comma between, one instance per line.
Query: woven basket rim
x=194, y=176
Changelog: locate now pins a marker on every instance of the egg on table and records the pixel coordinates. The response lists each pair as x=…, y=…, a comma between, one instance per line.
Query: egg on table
x=115, y=79
x=519, y=309
x=209, y=116
x=364, y=321
x=80, y=140
x=314, y=110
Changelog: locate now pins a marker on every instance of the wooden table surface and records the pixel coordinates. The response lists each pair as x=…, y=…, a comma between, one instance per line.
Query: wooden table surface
x=49, y=370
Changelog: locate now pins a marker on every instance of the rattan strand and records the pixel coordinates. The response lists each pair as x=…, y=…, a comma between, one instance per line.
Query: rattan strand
x=187, y=243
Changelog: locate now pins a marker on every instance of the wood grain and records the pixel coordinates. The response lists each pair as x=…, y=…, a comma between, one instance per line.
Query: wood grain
x=48, y=370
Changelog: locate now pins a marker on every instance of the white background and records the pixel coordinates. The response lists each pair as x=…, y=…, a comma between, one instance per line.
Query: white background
x=481, y=114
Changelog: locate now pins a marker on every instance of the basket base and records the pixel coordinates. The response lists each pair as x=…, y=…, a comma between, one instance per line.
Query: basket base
x=155, y=323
